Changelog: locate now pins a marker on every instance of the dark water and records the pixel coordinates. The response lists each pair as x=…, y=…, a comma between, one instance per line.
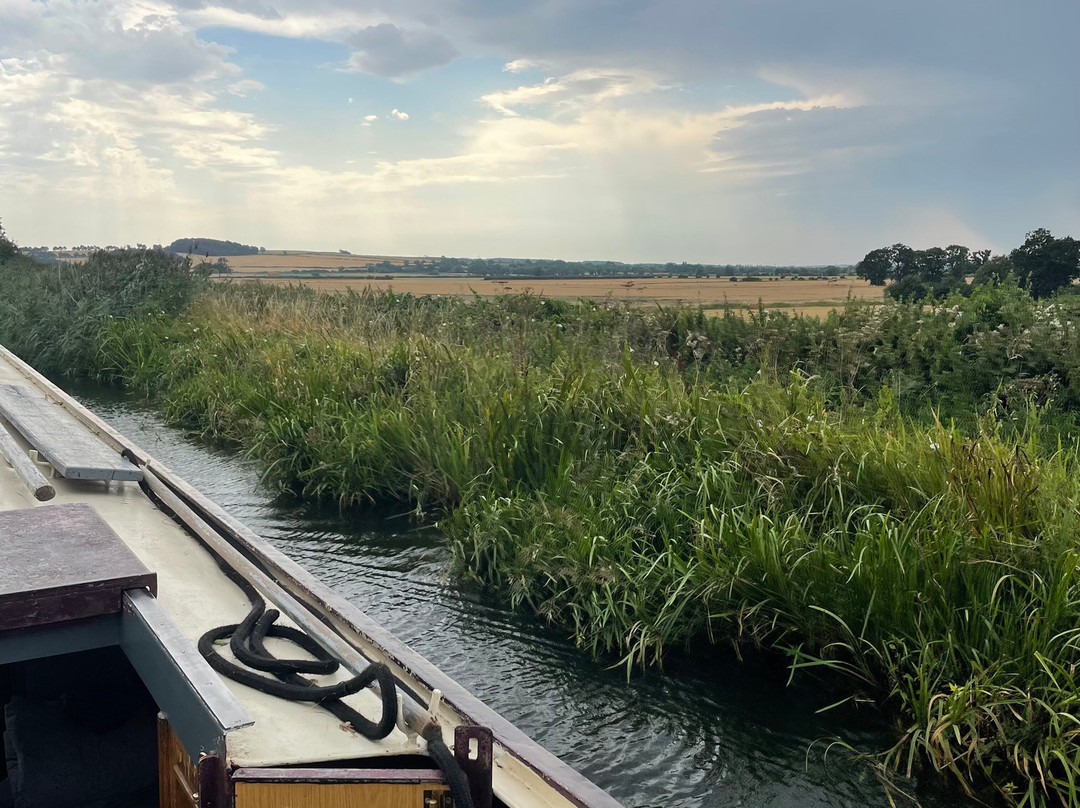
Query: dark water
x=712, y=732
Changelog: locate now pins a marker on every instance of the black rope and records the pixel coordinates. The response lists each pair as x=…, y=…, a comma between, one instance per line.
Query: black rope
x=451, y=769
x=248, y=645
x=247, y=641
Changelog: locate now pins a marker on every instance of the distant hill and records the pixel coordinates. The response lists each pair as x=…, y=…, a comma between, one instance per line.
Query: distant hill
x=210, y=246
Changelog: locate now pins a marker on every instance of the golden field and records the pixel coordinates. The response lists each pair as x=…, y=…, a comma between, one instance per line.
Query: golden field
x=816, y=296
x=708, y=292
x=277, y=261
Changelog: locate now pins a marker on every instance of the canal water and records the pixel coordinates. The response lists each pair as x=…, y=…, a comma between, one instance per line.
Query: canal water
x=709, y=732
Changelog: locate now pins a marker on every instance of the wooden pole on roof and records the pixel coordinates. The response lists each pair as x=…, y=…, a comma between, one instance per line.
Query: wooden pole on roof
x=25, y=467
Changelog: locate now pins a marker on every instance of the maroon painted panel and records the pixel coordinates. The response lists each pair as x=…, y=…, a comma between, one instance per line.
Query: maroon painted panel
x=63, y=562
x=213, y=782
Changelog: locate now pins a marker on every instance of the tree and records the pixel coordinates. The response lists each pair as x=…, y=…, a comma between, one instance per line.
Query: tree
x=905, y=261
x=932, y=263
x=910, y=289
x=876, y=266
x=912, y=274
x=1044, y=264
x=8, y=250
x=993, y=270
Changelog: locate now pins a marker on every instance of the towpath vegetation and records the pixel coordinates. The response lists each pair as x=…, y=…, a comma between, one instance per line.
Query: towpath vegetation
x=887, y=496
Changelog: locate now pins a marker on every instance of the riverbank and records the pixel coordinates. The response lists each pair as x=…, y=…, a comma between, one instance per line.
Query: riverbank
x=659, y=480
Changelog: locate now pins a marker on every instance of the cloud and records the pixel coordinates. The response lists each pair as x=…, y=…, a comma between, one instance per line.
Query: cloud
x=304, y=21
x=582, y=88
x=134, y=42
x=401, y=116
x=651, y=117
x=370, y=118
x=245, y=86
x=796, y=138
x=519, y=65
x=392, y=52
x=109, y=102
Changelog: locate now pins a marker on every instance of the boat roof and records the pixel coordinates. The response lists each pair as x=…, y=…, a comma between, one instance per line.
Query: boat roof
x=197, y=595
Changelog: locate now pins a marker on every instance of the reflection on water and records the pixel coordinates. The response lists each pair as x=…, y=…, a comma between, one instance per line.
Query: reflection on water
x=711, y=732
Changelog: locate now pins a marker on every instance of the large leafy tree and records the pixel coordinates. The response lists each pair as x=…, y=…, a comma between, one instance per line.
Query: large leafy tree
x=914, y=274
x=876, y=266
x=1044, y=264
x=993, y=270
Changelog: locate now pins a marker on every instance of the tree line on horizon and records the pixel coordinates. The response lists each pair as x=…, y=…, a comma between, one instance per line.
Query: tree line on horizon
x=211, y=246
x=1043, y=264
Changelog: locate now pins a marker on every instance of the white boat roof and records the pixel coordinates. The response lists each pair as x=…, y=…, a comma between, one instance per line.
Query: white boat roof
x=198, y=596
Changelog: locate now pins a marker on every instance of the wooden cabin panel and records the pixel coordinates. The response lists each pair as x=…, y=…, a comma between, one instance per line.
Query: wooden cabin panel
x=178, y=778
x=340, y=795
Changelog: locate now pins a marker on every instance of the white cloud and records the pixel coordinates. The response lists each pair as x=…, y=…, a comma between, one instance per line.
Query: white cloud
x=370, y=118
x=245, y=86
x=301, y=23
x=108, y=103
x=519, y=65
x=581, y=89
x=401, y=116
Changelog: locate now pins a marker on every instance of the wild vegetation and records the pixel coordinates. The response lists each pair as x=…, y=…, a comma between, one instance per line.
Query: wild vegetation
x=888, y=494
x=57, y=314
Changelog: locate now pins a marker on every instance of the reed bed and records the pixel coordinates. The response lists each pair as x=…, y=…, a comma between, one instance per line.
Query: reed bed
x=654, y=480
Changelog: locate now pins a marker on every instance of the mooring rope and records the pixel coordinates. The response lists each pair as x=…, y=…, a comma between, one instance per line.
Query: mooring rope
x=247, y=641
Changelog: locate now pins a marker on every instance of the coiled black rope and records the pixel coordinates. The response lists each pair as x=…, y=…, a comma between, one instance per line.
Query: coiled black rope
x=247, y=641
x=247, y=644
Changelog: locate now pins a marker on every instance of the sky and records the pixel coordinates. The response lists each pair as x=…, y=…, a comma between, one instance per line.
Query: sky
x=718, y=131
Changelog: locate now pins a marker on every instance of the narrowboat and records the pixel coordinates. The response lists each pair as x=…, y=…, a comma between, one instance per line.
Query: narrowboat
x=154, y=651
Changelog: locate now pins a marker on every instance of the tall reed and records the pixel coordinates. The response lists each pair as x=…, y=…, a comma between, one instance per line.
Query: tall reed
x=657, y=479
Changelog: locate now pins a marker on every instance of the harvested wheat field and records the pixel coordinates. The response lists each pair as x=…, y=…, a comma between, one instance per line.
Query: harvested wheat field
x=274, y=262
x=713, y=292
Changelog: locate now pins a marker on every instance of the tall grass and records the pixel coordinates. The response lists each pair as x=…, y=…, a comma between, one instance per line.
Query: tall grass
x=54, y=316
x=657, y=479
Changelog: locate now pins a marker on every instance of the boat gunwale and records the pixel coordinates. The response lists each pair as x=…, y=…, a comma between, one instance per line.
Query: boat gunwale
x=554, y=772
